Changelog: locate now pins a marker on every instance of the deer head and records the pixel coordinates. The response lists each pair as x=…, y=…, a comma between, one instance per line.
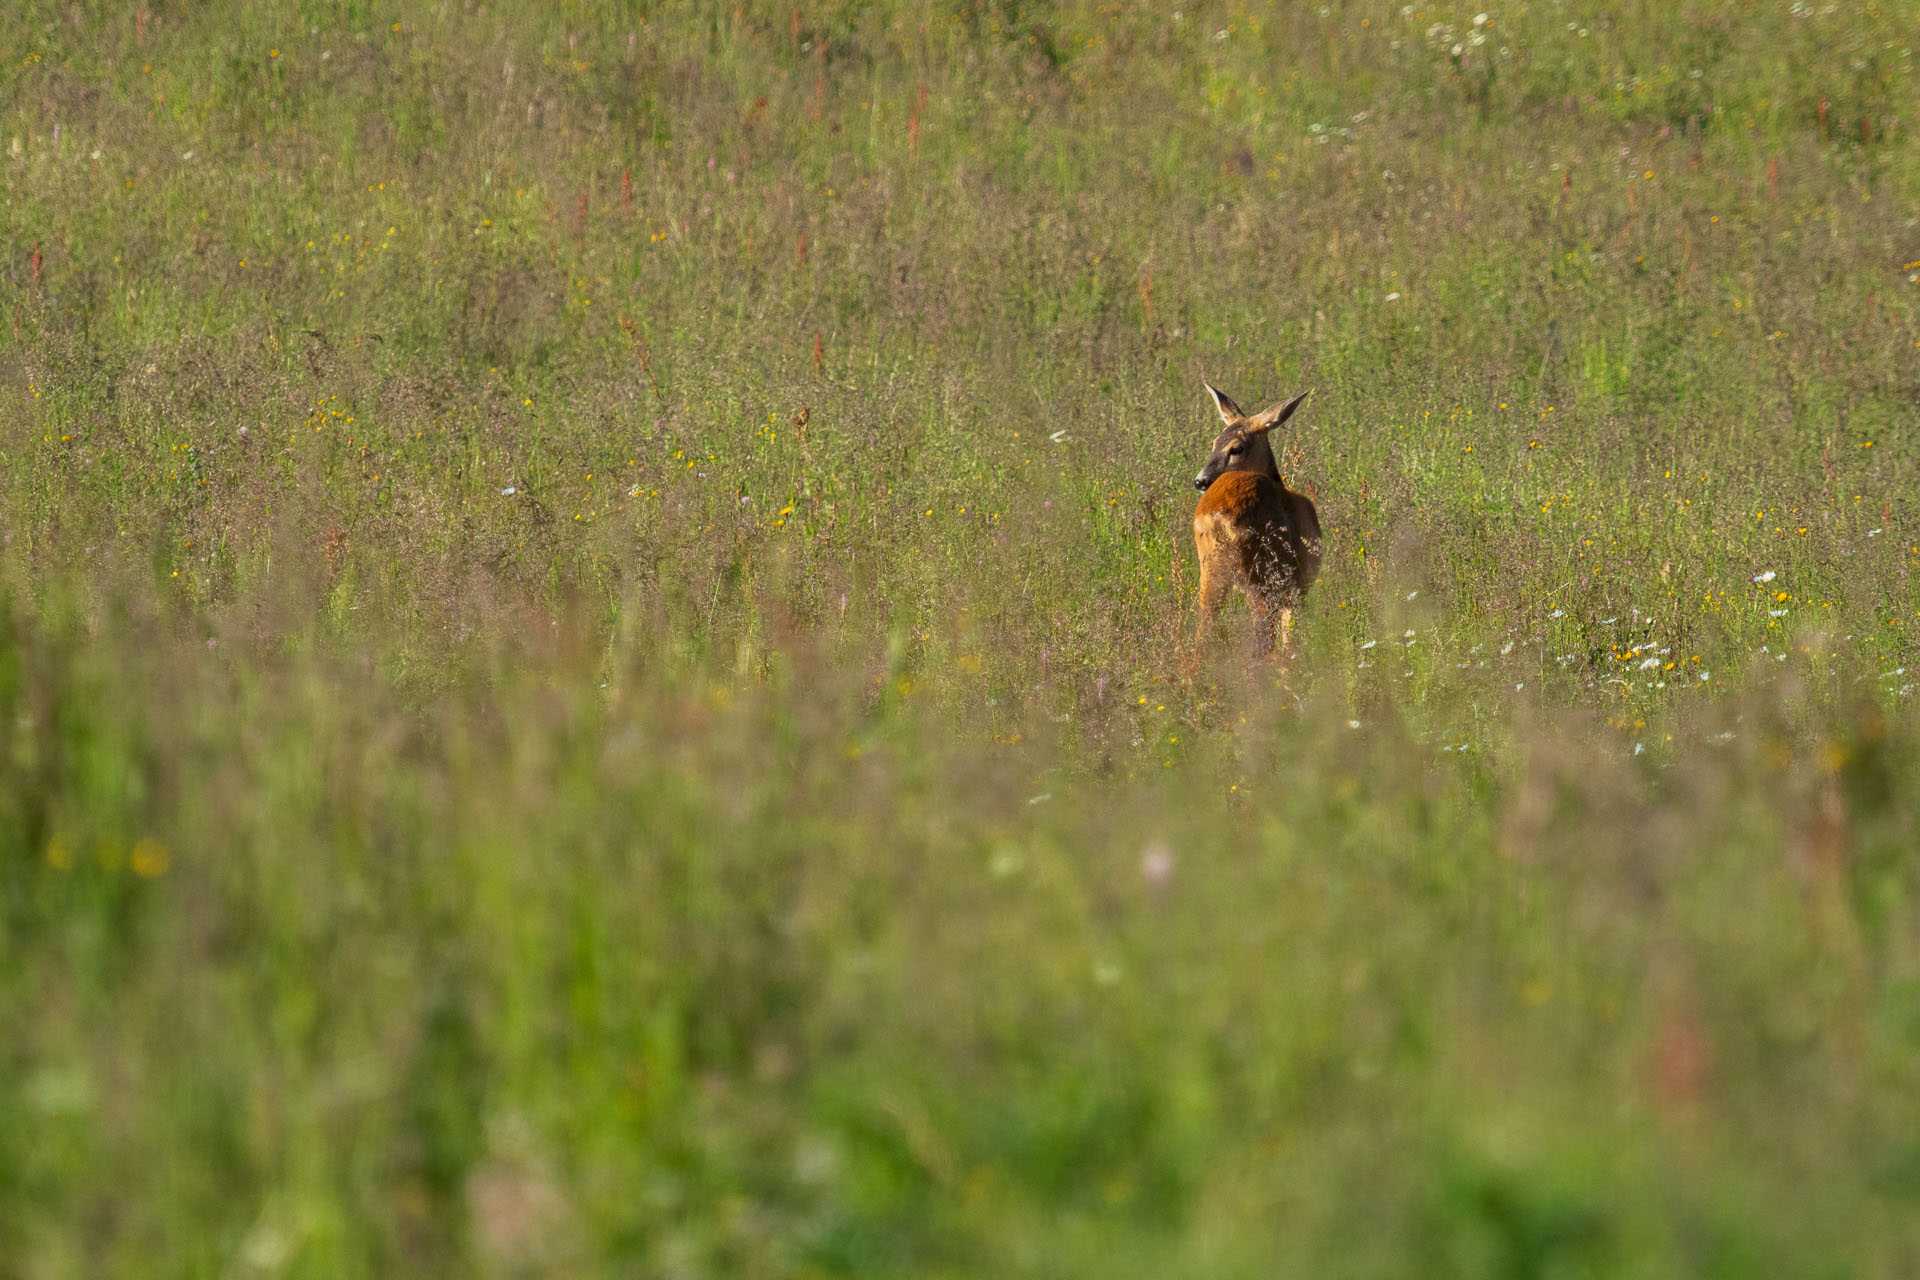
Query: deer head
x=1243, y=445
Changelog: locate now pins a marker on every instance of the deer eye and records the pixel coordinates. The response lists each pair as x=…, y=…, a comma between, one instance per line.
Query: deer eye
x=1234, y=450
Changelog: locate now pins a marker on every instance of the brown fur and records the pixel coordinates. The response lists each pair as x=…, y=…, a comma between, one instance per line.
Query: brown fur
x=1253, y=533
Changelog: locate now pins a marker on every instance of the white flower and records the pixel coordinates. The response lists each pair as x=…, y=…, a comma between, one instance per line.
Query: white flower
x=1768, y=576
x=1156, y=865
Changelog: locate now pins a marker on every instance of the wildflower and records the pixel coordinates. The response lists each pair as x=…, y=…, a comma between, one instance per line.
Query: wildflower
x=1156, y=866
x=148, y=858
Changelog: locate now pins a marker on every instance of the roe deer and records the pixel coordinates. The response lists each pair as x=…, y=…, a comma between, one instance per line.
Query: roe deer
x=1250, y=530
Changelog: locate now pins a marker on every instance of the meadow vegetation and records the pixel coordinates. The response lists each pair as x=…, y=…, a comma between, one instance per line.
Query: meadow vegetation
x=595, y=616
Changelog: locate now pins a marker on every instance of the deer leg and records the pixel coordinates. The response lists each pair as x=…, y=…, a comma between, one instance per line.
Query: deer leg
x=1265, y=614
x=1211, y=590
x=1286, y=629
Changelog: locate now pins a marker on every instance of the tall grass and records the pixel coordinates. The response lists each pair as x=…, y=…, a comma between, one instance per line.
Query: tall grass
x=595, y=630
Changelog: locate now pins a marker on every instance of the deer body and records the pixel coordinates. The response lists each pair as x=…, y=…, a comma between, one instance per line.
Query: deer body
x=1252, y=533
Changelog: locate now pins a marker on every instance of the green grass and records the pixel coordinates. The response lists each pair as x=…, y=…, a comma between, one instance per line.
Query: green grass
x=595, y=615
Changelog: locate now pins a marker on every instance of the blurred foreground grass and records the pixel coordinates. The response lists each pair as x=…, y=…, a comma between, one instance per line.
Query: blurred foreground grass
x=593, y=627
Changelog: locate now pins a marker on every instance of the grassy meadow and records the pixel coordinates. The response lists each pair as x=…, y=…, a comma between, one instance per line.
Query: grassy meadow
x=597, y=652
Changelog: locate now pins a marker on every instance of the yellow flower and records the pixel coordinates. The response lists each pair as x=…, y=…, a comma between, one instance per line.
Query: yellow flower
x=148, y=858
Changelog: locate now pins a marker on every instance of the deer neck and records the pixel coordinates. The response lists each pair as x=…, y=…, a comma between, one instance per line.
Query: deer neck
x=1260, y=458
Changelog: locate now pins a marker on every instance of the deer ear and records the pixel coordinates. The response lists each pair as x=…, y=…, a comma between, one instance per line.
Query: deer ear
x=1274, y=414
x=1230, y=412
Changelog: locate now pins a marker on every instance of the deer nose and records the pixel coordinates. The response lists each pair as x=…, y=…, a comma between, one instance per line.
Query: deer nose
x=1200, y=481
